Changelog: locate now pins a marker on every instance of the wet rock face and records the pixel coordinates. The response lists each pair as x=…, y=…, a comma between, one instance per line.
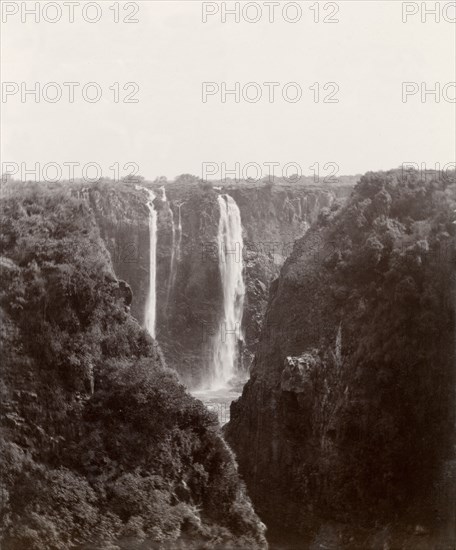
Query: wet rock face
x=122, y=219
x=189, y=301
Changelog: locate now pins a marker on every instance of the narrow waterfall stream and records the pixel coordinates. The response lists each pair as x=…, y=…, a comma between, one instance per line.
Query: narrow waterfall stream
x=151, y=302
x=179, y=231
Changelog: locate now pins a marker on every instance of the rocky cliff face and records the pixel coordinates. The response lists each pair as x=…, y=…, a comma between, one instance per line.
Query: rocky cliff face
x=347, y=420
x=189, y=294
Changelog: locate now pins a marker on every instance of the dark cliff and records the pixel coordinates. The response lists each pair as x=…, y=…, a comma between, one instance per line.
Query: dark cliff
x=348, y=421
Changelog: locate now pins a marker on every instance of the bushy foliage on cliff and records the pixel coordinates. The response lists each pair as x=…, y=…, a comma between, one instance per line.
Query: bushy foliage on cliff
x=392, y=275
x=369, y=294
x=101, y=446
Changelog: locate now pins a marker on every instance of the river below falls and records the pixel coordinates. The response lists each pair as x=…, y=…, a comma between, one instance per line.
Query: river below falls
x=218, y=401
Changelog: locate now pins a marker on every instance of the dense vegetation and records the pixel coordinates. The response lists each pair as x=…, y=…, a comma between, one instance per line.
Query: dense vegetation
x=362, y=414
x=392, y=270
x=101, y=446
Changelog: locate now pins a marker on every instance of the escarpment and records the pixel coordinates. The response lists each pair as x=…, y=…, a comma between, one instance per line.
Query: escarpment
x=347, y=424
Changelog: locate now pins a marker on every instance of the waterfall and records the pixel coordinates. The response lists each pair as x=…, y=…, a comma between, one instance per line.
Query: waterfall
x=179, y=231
x=230, y=264
x=151, y=296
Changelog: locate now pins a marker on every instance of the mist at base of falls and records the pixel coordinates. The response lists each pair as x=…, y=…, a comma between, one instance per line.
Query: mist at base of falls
x=219, y=400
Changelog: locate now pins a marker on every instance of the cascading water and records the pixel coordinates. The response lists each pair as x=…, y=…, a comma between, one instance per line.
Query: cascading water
x=179, y=232
x=223, y=386
x=151, y=302
x=230, y=246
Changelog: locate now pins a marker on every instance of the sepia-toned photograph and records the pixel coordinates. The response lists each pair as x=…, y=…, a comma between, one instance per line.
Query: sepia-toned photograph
x=228, y=275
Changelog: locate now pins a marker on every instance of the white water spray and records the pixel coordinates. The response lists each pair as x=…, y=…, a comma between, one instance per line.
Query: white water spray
x=151, y=302
x=179, y=232
x=230, y=246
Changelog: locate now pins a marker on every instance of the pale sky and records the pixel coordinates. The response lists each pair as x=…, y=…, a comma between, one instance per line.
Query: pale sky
x=170, y=52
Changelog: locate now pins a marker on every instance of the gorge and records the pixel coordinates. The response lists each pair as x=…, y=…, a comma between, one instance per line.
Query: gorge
x=325, y=313
x=190, y=307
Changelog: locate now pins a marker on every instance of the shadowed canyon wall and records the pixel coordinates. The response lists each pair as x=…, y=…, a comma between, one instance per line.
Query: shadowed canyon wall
x=348, y=418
